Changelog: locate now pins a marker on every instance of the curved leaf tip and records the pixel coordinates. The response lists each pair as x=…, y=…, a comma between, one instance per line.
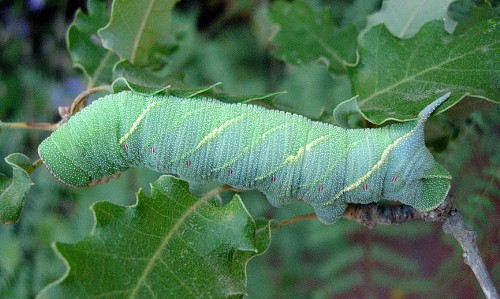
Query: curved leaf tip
x=13, y=190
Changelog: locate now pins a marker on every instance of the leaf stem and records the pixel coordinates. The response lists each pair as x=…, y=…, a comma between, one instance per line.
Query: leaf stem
x=78, y=104
x=28, y=125
x=81, y=100
x=285, y=222
x=35, y=165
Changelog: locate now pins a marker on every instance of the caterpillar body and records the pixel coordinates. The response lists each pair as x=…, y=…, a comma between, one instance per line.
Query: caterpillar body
x=286, y=156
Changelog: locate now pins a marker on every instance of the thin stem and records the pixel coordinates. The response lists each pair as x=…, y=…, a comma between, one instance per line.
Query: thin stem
x=311, y=216
x=28, y=125
x=454, y=226
x=78, y=104
x=35, y=165
x=81, y=100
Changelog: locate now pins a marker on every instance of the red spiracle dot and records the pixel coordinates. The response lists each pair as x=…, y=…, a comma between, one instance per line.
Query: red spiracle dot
x=125, y=146
x=273, y=179
x=188, y=163
x=320, y=188
x=365, y=187
x=230, y=171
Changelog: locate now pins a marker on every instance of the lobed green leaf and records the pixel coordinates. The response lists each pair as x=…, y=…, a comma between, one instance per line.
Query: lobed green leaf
x=85, y=46
x=145, y=82
x=398, y=78
x=139, y=31
x=170, y=244
x=306, y=36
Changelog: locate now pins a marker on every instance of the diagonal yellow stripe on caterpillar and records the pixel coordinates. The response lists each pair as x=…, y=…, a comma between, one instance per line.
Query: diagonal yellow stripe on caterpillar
x=217, y=131
x=247, y=148
x=177, y=123
x=213, y=134
x=377, y=165
x=137, y=122
x=330, y=169
x=294, y=158
x=147, y=110
x=423, y=116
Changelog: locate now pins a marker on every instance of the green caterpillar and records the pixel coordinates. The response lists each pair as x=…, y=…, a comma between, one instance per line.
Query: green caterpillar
x=286, y=156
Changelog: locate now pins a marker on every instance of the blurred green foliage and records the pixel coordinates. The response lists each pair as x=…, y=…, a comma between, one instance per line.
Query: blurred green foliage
x=232, y=42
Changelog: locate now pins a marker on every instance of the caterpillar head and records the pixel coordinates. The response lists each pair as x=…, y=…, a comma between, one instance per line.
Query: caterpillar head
x=413, y=177
x=82, y=152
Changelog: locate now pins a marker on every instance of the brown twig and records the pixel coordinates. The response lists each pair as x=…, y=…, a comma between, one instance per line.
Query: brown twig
x=81, y=100
x=79, y=103
x=370, y=215
x=454, y=225
x=31, y=126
